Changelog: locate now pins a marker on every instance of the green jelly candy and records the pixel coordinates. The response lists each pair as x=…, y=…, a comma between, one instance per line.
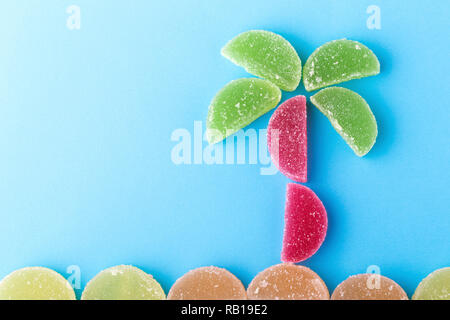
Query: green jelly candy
x=35, y=283
x=339, y=61
x=238, y=104
x=266, y=55
x=350, y=115
x=436, y=286
x=123, y=283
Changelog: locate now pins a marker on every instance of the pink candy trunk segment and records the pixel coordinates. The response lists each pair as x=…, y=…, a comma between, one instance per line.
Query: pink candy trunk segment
x=306, y=224
x=287, y=139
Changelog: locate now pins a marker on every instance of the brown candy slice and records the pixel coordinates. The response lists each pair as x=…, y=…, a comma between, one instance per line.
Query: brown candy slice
x=369, y=286
x=287, y=282
x=208, y=283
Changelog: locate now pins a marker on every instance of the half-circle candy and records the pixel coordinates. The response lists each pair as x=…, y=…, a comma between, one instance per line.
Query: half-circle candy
x=123, y=283
x=306, y=224
x=368, y=286
x=35, y=283
x=267, y=55
x=287, y=139
x=238, y=104
x=436, y=286
x=208, y=283
x=287, y=282
x=339, y=61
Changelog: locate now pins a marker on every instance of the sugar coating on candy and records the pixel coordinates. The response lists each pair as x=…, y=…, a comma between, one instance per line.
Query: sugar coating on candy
x=287, y=282
x=436, y=286
x=287, y=140
x=238, y=104
x=350, y=116
x=35, y=283
x=208, y=283
x=369, y=287
x=123, y=283
x=267, y=55
x=338, y=61
x=305, y=224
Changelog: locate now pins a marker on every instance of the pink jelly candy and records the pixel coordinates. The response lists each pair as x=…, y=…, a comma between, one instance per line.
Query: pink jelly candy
x=305, y=224
x=286, y=138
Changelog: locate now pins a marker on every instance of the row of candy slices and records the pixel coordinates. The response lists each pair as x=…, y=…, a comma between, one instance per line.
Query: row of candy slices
x=279, y=282
x=271, y=57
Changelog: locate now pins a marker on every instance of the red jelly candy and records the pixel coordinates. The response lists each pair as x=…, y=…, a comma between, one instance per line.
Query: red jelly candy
x=305, y=224
x=286, y=138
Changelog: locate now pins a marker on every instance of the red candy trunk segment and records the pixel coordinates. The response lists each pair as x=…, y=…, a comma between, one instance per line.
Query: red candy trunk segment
x=287, y=139
x=305, y=224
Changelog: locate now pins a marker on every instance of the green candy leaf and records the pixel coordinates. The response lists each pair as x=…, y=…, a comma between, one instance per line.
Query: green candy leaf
x=238, y=104
x=266, y=55
x=350, y=116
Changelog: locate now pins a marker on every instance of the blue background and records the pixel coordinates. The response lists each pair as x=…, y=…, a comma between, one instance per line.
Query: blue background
x=86, y=176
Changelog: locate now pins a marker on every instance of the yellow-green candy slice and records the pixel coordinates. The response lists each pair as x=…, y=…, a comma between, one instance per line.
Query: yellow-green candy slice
x=339, y=61
x=123, y=283
x=267, y=55
x=35, y=283
x=350, y=116
x=238, y=104
x=436, y=286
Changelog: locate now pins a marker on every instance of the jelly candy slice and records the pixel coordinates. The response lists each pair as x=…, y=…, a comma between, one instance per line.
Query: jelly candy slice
x=436, y=286
x=339, y=61
x=286, y=138
x=350, y=115
x=305, y=224
x=123, y=283
x=266, y=55
x=287, y=282
x=368, y=286
x=208, y=283
x=238, y=104
x=35, y=283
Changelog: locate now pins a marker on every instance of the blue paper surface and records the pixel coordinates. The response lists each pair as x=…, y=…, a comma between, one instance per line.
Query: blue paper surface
x=87, y=176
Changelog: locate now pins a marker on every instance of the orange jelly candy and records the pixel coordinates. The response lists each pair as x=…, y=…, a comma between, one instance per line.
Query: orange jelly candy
x=369, y=286
x=287, y=282
x=208, y=283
